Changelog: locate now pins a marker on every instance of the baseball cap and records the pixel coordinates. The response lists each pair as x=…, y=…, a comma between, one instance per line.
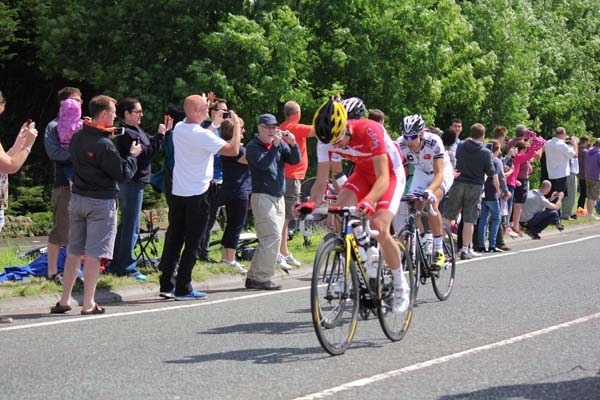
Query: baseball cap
x=267, y=119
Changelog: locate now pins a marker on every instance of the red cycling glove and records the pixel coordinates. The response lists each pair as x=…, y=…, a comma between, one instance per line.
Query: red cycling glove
x=306, y=207
x=366, y=206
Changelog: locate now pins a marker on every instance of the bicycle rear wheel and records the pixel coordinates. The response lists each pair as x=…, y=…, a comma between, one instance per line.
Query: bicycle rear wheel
x=443, y=280
x=334, y=296
x=394, y=325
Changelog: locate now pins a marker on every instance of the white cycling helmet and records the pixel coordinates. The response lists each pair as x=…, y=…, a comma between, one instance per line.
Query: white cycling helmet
x=354, y=107
x=412, y=125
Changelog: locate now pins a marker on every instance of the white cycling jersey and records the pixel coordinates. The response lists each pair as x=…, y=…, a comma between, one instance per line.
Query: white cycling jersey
x=432, y=148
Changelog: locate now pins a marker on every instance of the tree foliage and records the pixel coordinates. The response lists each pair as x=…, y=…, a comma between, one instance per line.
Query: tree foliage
x=494, y=61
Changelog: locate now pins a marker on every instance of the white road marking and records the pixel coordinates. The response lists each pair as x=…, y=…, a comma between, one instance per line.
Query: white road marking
x=204, y=303
x=425, y=364
x=511, y=253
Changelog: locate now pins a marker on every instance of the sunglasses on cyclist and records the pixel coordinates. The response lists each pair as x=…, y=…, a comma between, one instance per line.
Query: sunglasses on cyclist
x=411, y=137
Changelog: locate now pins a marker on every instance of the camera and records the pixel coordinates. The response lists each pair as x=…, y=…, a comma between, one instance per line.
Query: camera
x=226, y=115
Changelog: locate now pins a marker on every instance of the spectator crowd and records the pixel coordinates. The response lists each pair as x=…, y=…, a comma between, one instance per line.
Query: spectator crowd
x=101, y=171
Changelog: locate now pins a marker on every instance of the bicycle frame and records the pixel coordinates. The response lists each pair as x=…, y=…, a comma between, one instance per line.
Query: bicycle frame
x=349, y=221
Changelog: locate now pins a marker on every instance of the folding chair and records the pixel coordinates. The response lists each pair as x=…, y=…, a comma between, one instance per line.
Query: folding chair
x=145, y=247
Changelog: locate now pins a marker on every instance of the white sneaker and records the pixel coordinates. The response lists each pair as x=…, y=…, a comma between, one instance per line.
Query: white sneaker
x=474, y=253
x=283, y=264
x=235, y=265
x=291, y=260
x=401, y=299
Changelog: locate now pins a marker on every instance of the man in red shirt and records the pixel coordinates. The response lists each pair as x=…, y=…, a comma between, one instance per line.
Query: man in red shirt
x=294, y=175
x=376, y=184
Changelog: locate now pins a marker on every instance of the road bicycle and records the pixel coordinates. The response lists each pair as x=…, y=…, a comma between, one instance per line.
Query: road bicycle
x=442, y=279
x=341, y=287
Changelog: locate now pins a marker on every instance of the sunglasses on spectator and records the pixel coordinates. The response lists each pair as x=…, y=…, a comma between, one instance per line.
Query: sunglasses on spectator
x=411, y=137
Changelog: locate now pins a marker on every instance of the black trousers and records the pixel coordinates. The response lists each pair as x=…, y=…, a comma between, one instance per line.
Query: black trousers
x=213, y=208
x=187, y=219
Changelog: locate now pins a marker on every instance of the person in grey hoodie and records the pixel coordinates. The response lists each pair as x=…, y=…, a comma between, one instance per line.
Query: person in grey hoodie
x=473, y=163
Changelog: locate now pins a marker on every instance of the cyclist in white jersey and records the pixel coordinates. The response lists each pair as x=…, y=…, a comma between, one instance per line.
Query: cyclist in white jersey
x=433, y=174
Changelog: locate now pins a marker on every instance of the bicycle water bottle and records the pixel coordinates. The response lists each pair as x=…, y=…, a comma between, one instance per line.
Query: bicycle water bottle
x=372, y=261
x=361, y=236
x=363, y=241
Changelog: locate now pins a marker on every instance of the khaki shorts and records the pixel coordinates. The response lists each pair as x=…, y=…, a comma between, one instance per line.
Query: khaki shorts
x=292, y=196
x=93, y=226
x=59, y=235
x=593, y=189
x=466, y=197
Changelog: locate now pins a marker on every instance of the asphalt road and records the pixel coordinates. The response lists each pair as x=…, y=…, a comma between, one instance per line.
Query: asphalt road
x=519, y=325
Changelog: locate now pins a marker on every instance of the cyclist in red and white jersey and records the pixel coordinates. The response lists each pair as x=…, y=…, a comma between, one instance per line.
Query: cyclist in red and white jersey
x=433, y=173
x=376, y=184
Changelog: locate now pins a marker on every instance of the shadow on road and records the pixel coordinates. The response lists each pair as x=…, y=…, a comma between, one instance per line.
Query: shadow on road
x=279, y=355
x=268, y=328
x=580, y=389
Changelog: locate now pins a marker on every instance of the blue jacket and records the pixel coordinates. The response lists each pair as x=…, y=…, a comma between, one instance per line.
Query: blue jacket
x=266, y=166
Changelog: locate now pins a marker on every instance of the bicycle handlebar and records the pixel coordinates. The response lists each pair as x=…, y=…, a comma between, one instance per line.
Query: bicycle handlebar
x=411, y=198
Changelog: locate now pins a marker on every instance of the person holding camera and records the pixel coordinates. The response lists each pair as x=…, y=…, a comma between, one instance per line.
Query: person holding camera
x=10, y=162
x=194, y=149
x=558, y=157
x=539, y=211
x=218, y=113
x=266, y=155
x=131, y=192
x=97, y=167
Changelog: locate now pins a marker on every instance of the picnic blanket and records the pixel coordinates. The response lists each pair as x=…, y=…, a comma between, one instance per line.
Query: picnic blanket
x=38, y=267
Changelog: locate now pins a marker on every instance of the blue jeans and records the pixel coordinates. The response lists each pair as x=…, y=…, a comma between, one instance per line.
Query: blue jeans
x=491, y=209
x=130, y=202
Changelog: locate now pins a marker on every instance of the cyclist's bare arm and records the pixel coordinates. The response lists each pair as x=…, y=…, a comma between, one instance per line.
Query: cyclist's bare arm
x=320, y=186
x=438, y=177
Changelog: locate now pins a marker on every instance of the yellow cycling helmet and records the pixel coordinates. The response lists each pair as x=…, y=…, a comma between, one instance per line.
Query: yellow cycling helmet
x=330, y=121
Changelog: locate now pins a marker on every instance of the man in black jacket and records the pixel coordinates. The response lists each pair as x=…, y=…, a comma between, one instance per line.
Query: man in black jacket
x=97, y=168
x=474, y=162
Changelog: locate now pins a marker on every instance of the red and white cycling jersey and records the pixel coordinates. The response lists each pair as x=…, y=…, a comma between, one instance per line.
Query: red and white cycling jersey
x=369, y=139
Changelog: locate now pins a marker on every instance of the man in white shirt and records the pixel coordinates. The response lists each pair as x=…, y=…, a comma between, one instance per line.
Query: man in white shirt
x=558, y=156
x=194, y=150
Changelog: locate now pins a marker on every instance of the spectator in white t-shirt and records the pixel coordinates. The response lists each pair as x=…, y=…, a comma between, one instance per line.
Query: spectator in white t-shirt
x=558, y=156
x=194, y=150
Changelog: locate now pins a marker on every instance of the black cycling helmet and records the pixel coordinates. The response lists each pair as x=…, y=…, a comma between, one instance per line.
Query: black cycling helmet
x=354, y=107
x=412, y=125
x=329, y=121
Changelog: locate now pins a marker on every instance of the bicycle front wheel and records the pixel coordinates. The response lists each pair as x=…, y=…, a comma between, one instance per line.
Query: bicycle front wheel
x=334, y=296
x=443, y=280
x=394, y=325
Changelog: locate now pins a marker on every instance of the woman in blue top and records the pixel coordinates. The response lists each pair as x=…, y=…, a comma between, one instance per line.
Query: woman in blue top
x=234, y=195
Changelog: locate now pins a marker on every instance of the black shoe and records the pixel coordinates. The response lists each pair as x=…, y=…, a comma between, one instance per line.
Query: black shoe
x=560, y=226
x=56, y=278
x=503, y=247
x=495, y=250
x=268, y=285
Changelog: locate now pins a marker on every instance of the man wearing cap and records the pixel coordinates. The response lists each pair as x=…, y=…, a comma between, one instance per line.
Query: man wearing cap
x=266, y=153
